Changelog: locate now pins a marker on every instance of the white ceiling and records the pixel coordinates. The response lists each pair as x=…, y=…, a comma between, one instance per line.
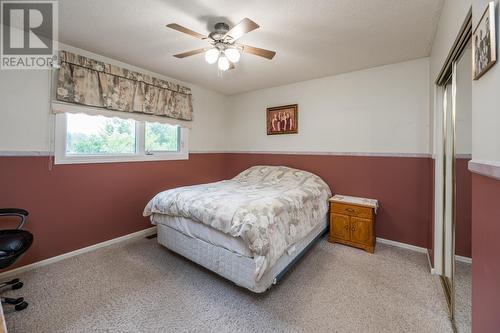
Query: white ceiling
x=312, y=38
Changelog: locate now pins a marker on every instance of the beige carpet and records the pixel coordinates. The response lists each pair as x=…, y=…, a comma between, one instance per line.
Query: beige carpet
x=139, y=286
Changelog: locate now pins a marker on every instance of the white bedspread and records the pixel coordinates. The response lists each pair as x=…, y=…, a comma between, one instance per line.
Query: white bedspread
x=270, y=208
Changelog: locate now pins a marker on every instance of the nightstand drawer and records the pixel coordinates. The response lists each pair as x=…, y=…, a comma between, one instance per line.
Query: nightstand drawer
x=351, y=210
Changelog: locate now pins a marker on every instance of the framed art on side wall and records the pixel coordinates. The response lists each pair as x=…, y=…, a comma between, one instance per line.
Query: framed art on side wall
x=282, y=119
x=484, y=53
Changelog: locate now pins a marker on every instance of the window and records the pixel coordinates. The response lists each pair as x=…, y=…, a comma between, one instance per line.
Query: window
x=98, y=135
x=82, y=138
x=161, y=137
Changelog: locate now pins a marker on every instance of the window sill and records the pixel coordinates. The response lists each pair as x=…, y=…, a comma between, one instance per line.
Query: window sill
x=60, y=156
x=120, y=158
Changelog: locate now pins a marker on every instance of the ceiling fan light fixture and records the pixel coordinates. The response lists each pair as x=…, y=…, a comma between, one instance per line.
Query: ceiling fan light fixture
x=212, y=55
x=232, y=54
x=223, y=63
x=224, y=48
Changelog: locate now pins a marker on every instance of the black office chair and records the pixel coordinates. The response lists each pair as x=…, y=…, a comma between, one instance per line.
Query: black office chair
x=13, y=243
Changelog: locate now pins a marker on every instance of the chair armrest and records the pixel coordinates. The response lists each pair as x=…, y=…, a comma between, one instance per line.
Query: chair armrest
x=17, y=212
x=13, y=211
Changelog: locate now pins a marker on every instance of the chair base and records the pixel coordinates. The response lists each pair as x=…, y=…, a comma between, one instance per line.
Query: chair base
x=19, y=303
x=14, y=283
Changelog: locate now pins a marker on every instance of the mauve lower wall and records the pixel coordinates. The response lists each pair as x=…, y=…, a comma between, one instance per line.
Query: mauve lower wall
x=74, y=206
x=463, y=209
x=486, y=254
x=401, y=184
x=430, y=230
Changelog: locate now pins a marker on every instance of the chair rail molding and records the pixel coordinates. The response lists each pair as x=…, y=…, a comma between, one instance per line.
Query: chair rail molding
x=485, y=168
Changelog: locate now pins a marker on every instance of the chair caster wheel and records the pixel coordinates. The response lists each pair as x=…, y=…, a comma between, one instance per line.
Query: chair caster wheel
x=13, y=300
x=17, y=285
x=21, y=306
x=13, y=281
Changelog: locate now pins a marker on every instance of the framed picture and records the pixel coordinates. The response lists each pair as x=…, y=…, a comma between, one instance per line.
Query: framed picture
x=484, y=51
x=283, y=119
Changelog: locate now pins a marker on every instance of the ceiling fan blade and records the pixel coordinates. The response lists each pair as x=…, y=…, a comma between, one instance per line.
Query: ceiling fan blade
x=182, y=29
x=246, y=25
x=258, y=51
x=190, y=53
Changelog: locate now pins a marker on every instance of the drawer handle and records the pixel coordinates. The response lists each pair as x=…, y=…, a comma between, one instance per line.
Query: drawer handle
x=353, y=228
x=346, y=227
x=350, y=210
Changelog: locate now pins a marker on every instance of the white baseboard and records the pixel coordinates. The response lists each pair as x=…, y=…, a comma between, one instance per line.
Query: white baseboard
x=466, y=260
x=45, y=262
x=433, y=271
x=421, y=250
x=402, y=245
x=152, y=230
x=409, y=247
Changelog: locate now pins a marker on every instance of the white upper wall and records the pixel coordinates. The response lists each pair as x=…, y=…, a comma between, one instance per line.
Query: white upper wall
x=463, y=111
x=485, y=103
x=24, y=110
x=452, y=17
x=26, y=122
x=378, y=110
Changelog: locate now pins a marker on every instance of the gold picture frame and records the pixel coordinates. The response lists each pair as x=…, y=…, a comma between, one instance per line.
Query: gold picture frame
x=282, y=119
x=484, y=50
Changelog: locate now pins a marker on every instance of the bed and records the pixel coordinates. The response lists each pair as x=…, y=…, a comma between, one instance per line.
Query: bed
x=249, y=229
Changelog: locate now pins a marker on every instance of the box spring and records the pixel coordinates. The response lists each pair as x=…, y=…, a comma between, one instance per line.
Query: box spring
x=232, y=266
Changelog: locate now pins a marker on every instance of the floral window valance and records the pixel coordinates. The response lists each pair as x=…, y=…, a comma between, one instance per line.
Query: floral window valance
x=89, y=82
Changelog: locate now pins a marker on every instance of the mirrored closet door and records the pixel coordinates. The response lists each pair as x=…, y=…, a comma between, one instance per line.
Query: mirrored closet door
x=455, y=182
x=448, y=190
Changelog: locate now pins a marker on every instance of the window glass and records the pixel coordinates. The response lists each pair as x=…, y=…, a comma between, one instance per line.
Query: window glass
x=98, y=135
x=161, y=137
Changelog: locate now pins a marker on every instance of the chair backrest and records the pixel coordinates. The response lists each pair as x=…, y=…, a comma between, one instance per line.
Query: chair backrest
x=15, y=212
x=14, y=242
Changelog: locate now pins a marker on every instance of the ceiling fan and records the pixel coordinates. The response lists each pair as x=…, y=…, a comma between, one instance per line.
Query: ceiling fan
x=224, y=48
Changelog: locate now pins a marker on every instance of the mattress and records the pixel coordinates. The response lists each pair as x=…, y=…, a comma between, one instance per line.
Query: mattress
x=201, y=231
x=233, y=266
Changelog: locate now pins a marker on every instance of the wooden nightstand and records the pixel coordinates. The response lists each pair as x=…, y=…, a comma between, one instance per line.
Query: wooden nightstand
x=352, y=221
